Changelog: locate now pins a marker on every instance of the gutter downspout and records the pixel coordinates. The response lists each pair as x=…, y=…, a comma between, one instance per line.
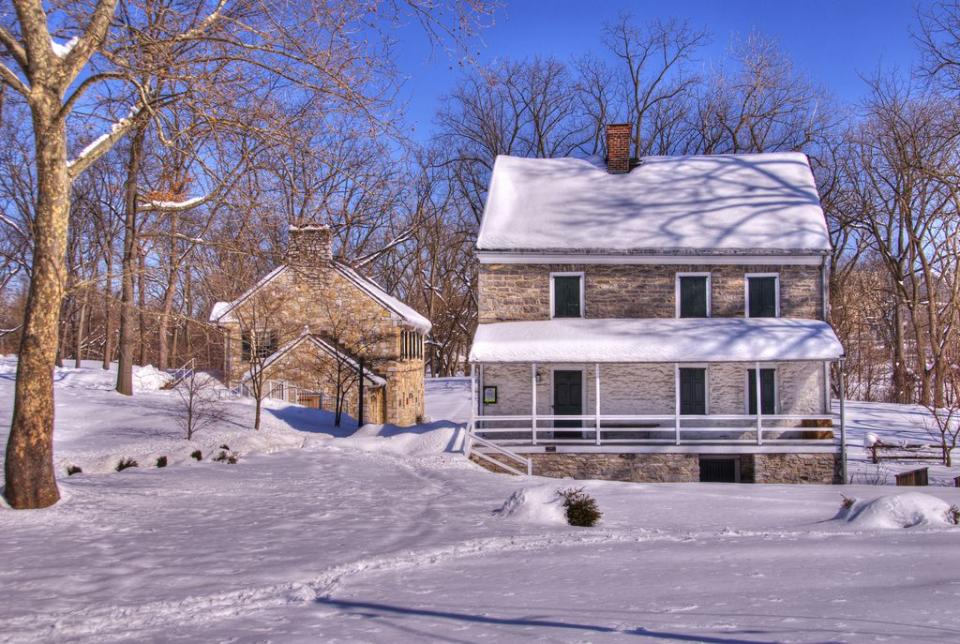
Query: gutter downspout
x=825, y=303
x=843, y=425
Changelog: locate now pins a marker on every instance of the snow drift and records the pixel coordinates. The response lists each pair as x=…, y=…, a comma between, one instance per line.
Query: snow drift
x=539, y=504
x=910, y=510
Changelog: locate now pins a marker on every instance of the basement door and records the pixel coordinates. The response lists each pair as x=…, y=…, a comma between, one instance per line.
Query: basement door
x=567, y=401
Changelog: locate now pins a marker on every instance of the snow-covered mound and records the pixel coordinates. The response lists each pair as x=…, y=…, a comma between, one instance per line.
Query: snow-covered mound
x=913, y=509
x=147, y=378
x=422, y=440
x=539, y=504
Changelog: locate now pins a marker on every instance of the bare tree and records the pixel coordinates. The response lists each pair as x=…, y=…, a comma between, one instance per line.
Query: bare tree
x=200, y=405
x=939, y=40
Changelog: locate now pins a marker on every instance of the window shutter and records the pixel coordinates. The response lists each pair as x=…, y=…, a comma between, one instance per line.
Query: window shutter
x=566, y=296
x=693, y=391
x=245, y=346
x=693, y=297
x=768, y=391
x=763, y=297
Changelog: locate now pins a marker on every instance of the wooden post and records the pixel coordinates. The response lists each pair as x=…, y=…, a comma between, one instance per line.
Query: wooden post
x=533, y=403
x=596, y=402
x=756, y=380
x=676, y=402
x=360, y=395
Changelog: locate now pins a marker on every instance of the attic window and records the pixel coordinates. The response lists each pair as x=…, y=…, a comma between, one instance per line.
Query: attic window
x=258, y=345
x=566, y=295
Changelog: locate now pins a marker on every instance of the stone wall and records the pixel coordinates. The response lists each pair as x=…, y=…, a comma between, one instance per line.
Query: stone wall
x=328, y=304
x=649, y=388
x=522, y=291
x=678, y=467
x=313, y=370
x=796, y=468
x=639, y=468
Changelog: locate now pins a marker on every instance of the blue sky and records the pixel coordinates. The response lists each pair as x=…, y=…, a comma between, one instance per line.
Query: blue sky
x=834, y=42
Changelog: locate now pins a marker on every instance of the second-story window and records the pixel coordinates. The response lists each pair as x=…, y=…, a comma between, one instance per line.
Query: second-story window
x=258, y=345
x=567, y=295
x=763, y=296
x=693, y=295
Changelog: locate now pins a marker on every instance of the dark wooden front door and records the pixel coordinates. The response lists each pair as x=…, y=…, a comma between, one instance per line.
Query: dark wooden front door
x=567, y=400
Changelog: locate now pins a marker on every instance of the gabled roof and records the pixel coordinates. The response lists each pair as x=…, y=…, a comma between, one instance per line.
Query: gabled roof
x=325, y=346
x=656, y=340
x=765, y=203
x=221, y=310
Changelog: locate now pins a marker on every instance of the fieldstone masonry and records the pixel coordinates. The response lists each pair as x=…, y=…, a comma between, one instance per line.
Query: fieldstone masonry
x=522, y=291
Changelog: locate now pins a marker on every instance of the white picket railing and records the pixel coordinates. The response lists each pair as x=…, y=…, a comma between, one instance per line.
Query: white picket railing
x=469, y=449
x=662, y=429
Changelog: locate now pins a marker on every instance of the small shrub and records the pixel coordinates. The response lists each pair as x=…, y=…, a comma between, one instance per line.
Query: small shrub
x=225, y=446
x=223, y=457
x=582, y=510
x=953, y=515
x=73, y=469
x=197, y=455
x=847, y=502
x=126, y=463
x=162, y=461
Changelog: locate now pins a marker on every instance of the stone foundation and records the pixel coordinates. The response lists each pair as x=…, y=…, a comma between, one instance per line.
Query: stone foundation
x=678, y=468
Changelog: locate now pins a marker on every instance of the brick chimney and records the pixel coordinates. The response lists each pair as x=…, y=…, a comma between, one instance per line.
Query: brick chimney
x=309, y=246
x=618, y=148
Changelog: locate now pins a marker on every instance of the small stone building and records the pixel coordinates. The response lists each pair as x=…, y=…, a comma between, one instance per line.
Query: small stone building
x=655, y=319
x=307, y=329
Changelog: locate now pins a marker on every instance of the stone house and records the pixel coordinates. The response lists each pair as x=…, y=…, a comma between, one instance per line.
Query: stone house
x=308, y=327
x=632, y=313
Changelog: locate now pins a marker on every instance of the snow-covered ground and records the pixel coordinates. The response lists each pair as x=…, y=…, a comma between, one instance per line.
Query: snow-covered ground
x=391, y=536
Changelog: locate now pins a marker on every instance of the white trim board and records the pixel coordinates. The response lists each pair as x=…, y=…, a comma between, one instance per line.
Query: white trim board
x=498, y=257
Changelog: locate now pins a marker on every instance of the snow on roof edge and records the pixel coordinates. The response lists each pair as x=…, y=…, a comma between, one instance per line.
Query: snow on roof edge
x=656, y=340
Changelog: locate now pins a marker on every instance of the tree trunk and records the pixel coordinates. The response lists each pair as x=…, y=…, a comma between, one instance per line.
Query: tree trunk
x=256, y=417
x=78, y=333
x=28, y=471
x=108, y=312
x=125, y=366
x=142, y=305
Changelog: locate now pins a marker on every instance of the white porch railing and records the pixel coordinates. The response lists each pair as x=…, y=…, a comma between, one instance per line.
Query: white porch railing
x=664, y=429
x=471, y=441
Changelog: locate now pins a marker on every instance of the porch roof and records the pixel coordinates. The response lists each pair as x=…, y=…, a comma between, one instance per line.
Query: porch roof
x=687, y=340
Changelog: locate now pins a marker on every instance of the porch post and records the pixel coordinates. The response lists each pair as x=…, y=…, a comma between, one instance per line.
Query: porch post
x=596, y=402
x=533, y=403
x=676, y=402
x=843, y=425
x=473, y=397
x=756, y=381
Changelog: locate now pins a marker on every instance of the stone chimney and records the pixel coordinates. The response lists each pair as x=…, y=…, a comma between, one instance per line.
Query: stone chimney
x=309, y=246
x=618, y=148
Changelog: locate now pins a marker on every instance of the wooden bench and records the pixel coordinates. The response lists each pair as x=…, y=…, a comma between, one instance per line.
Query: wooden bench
x=913, y=477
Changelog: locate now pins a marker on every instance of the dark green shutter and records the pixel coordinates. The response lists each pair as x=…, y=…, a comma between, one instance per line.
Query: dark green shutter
x=767, y=391
x=566, y=297
x=693, y=297
x=763, y=297
x=693, y=391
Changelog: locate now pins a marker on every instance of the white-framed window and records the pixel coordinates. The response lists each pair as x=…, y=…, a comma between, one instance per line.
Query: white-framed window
x=761, y=295
x=692, y=292
x=769, y=390
x=566, y=295
x=693, y=389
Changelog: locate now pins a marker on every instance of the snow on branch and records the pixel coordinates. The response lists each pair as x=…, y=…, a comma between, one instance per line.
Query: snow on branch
x=99, y=146
x=177, y=206
x=62, y=49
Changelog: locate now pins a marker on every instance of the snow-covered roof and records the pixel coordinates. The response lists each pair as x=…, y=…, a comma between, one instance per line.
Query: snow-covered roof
x=656, y=340
x=221, y=310
x=727, y=203
x=323, y=345
x=409, y=315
